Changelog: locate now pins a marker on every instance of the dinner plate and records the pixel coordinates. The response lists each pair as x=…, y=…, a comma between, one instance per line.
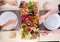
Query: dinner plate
x=7, y=16
x=52, y=22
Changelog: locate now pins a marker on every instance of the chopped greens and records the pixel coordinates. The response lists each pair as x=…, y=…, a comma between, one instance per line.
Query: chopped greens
x=25, y=31
x=31, y=7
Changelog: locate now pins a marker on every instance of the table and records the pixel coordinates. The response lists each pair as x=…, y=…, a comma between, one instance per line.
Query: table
x=52, y=36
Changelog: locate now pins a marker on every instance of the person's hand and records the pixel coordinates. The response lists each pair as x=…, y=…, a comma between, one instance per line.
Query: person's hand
x=9, y=23
x=11, y=2
x=42, y=19
x=45, y=32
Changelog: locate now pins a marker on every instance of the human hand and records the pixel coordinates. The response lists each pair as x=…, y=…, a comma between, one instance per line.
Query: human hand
x=42, y=19
x=45, y=32
x=11, y=2
x=9, y=23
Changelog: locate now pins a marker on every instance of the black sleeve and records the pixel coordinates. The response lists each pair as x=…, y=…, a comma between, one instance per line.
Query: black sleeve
x=0, y=27
x=1, y=4
x=59, y=7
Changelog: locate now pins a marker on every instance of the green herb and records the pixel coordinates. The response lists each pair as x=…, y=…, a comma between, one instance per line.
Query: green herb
x=31, y=7
x=30, y=2
x=25, y=31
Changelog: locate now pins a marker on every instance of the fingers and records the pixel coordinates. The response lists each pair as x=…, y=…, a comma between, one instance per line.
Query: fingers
x=15, y=4
x=41, y=21
x=12, y=2
x=45, y=33
x=13, y=19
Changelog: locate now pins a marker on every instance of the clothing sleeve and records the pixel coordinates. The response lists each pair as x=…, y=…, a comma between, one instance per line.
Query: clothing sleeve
x=1, y=4
x=0, y=27
x=59, y=7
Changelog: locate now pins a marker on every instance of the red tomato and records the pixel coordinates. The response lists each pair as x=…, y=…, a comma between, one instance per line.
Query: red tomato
x=28, y=29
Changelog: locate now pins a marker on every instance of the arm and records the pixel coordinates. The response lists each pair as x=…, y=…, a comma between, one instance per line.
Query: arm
x=54, y=10
x=11, y=2
x=1, y=1
x=9, y=23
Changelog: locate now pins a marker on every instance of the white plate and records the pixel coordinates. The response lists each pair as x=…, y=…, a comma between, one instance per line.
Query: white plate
x=5, y=17
x=52, y=22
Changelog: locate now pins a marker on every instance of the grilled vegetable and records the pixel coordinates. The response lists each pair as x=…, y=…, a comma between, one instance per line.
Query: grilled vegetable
x=32, y=32
x=28, y=22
